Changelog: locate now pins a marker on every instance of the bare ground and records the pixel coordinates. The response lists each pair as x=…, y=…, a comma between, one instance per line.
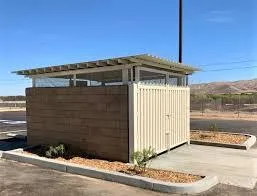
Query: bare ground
x=224, y=115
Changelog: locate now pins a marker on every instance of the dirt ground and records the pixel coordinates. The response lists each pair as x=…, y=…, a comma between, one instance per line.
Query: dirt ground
x=194, y=114
x=223, y=115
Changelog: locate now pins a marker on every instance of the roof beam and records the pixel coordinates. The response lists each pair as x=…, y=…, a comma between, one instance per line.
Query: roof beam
x=123, y=61
x=81, y=65
x=165, y=62
x=41, y=70
x=157, y=65
x=100, y=64
x=72, y=66
x=160, y=71
x=47, y=69
x=112, y=62
x=84, y=71
x=55, y=68
x=91, y=64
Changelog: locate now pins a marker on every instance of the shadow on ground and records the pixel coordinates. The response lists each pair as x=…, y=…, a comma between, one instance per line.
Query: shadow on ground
x=12, y=144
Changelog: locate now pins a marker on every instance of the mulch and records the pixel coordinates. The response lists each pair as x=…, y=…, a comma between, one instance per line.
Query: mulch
x=163, y=175
x=217, y=137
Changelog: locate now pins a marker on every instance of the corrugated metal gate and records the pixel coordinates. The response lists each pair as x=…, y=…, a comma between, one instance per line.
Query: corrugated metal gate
x=159, y=116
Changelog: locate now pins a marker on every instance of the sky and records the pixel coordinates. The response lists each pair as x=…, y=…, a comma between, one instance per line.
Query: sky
x=216, y=33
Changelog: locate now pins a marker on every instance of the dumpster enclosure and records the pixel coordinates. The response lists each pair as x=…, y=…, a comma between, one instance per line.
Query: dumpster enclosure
x=110, y=108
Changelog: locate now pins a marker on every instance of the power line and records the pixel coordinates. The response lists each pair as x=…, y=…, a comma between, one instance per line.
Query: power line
x=227, y=63
x=248, y=67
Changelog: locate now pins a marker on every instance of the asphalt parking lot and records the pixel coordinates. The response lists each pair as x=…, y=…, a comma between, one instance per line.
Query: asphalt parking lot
x=24, y=179
x=12, y=121
x=237, y=126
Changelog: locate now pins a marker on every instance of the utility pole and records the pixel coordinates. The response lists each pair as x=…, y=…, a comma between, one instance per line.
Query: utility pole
x=180, y=31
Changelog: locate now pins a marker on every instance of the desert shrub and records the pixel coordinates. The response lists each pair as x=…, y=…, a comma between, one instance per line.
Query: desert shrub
x=204, y=135
x=213, y=128
x=141, y=158
x=56, y=151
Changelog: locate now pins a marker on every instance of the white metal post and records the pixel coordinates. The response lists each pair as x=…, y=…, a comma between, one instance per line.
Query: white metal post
x=133, y=90
x=33, y=82
x=74, y=79
x=167, y=76
x=131, y=75
x=137, y=74
x=179, y=83
x=125, y=75
x=186, y=80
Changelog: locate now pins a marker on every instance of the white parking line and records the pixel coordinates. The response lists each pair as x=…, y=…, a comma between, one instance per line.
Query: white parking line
x=13, y=131
x=14, y=122
x=4, y=120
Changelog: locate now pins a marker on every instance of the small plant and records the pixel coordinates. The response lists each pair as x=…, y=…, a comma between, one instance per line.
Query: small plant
x=213, y=128
x=56, y=151
x=141, y=158
x=204, y=135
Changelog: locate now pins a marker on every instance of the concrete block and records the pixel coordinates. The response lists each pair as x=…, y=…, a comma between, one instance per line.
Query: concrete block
x=250, y=142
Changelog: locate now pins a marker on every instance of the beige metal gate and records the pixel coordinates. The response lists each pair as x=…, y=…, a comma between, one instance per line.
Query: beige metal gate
x=159, y=116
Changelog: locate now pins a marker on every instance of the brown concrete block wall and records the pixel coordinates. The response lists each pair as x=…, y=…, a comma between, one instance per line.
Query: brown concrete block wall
x=90, y=119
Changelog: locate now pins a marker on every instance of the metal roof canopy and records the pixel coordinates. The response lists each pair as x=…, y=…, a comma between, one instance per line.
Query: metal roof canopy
x=144, y=60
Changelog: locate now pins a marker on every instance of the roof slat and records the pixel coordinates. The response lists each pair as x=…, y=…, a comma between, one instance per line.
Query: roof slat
x=111, y=62
x=123, y=61
x=146, y=59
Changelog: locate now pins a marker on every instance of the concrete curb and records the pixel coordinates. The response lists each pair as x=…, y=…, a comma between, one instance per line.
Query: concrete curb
x=137, y=181
x=250, y=142
x=245, y=146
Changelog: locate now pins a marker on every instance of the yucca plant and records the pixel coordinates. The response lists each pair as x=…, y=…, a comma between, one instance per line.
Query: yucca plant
x=141, y=158
x=56, y=151
x=213, y=128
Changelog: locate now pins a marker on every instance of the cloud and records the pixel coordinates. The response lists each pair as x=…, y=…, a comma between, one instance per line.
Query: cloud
x=220, y=16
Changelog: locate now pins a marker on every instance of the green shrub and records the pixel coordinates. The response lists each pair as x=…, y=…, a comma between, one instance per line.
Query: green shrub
x=213, y=128
x=141, y=158
x=56, y=151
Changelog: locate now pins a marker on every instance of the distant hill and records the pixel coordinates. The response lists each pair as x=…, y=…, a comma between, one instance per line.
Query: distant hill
x=12, y=98
x=241, y=86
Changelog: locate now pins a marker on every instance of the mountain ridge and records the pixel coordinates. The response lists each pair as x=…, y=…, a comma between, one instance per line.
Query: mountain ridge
x=233, y=87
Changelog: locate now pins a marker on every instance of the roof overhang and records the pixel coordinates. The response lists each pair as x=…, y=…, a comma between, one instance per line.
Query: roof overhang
x=110, y=64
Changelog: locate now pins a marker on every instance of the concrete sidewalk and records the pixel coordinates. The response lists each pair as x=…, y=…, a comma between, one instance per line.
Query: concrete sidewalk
x=232, y=166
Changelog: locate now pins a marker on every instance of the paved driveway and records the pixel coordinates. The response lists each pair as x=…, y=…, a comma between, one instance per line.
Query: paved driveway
x=23, y=179
x=238, y=126
x=232, y=166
